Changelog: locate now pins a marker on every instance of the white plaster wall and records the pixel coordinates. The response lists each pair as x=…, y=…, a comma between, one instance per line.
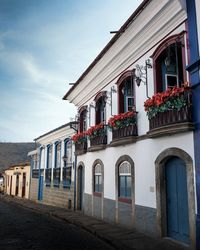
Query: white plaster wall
x=198, y=20
x=144, y=154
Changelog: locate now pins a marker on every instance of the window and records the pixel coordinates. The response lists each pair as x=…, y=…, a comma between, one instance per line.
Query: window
x=68, y=152
x=83, y=119
x=49, y=156
x=100, y=100
x=169, y=63
x=57, y=154
x=126, y=93
x=67, y=170
x=98, y=178
x=125, y=180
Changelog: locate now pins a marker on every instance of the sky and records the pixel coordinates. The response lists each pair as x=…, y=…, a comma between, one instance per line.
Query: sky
x=44, y=46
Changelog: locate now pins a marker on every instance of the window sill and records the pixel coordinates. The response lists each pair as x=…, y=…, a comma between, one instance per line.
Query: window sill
x=170, y=129
x=123, y=141
x=97, y=194
x=124, y=200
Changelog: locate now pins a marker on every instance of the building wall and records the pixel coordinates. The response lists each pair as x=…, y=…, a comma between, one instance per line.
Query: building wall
x=59, y=196
x=51, y=193
x=34, y=189
x=11, y=188
x=145, y=184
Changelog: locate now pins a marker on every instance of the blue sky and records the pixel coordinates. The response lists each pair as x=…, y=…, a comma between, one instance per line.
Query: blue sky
x=44, y=45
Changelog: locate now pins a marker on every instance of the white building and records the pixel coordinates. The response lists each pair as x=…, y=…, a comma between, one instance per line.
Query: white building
x=140, y=173
x=52, y=180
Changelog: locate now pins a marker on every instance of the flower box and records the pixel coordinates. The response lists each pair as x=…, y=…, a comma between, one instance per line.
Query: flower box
x=123, y=125
x=97, y=134
x=171, y=107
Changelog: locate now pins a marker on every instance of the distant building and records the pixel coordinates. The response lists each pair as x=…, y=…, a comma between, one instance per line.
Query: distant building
x=52, y=168
x=17, y=180
x=136, y=164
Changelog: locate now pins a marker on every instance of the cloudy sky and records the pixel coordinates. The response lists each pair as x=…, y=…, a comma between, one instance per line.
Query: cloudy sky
x=44, y=45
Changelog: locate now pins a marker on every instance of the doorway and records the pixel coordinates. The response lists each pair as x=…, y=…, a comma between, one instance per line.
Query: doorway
x=80, y=188
x=177, y=200
x=24, y=185
x=17, y=185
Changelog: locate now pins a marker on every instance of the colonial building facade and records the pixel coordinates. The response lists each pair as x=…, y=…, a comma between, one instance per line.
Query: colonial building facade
x=17, y=180
x=135, y=145
x=52, y=163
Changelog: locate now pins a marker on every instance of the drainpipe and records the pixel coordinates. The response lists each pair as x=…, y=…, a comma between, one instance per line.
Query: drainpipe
x=75, y=167
x=193, y=70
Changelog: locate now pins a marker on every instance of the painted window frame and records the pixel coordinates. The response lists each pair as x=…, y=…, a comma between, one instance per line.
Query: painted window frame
x=126, y=175
x=100, y=107
x=83, y=119
x=67, y=164
x=98, y=186
x=158, y=57
x=123, y=97
x=57, y=155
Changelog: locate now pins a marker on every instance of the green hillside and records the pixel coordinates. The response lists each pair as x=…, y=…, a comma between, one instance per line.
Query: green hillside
x=13, y=153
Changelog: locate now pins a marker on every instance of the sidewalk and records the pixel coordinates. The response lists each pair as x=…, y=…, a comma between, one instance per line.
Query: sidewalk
x=117, y=236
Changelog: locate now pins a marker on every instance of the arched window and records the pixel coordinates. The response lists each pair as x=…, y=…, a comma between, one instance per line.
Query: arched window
x=49, y=156
x=125, y=180
x=83, y=119
x=100, y=100
x=57, y=154
x=98, y=178
x=68, y=152
x=169, y=64
x=126, y=97
x=67, y=170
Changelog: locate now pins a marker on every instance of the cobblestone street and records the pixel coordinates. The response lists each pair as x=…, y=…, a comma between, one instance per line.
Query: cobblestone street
x=22, y=228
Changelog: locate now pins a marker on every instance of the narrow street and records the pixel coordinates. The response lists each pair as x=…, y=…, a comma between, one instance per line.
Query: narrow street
x=21, y=228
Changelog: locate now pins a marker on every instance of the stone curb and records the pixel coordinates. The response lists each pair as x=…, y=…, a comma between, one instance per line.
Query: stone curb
x=114, y=235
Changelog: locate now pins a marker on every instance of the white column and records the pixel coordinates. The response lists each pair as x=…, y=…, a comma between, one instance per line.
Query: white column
x=53, y=160
x=62, y=162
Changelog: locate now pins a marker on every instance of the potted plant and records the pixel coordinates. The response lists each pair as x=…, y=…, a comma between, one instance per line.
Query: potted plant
x=79, y=137
x=172, y=99
x=122, y=120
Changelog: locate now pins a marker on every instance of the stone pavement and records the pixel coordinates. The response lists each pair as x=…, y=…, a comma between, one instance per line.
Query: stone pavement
x=117, y=236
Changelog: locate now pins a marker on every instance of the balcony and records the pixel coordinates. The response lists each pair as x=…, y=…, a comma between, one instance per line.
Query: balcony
x=56, y=177
x=98, y=138
x=174, y=120
x=48, y=176
x=67, y=175
x=35, y=173
x=81, y=147
x=124, y=128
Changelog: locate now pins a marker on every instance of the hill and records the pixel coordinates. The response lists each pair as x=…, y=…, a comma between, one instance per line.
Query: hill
x=13, y=153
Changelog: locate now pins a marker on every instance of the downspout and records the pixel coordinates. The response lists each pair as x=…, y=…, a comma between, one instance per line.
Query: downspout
x=75, y=167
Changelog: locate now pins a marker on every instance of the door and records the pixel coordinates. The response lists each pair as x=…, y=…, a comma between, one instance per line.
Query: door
x=40, y=188
x=24, y=185
x=80, y=188
x=11, y=185
x=17, y=185
x=177, y=200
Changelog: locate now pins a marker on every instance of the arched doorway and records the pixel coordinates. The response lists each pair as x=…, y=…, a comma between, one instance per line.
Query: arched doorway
x=175, y=196
x=80, y=187
x=177, y=200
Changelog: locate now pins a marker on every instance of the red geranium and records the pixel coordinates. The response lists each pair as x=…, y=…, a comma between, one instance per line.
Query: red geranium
x=79, y=137
x=122, y=120
x=95, y=130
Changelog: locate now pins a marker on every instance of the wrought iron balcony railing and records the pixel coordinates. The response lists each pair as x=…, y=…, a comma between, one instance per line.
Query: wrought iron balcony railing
x=56, y=176
x=130, y=130
x=81, y=147
x=171, y=117
x=35, y=173
x=67, y=175
x=48, y=176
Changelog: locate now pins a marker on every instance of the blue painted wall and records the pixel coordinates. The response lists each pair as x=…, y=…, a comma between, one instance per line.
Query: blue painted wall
x=193, y=69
